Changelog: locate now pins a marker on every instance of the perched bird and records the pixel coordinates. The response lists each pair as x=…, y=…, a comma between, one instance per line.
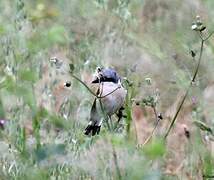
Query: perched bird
x=112, y=97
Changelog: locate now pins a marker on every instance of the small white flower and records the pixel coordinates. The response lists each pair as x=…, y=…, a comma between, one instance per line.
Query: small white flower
x=194, y=27
x=148, y=80
x=74, y=141
x=206, y=138
x=40, y=7
x=54, y=59
x=87, y=62
x=65, y=116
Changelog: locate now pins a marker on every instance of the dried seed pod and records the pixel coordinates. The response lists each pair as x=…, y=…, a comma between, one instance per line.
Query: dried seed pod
x=67, y=84
x=160, y=116
x=193, y=54
x=202, y=28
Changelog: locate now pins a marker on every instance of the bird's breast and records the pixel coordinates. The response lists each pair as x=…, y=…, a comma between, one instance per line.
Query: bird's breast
x=115, y=97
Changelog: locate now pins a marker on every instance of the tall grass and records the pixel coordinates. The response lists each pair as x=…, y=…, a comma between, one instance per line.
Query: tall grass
x=41, y=132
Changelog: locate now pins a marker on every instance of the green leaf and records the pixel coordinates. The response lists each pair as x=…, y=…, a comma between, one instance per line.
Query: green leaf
x=155, y=149
x=2, y=113
x=8, y=83
x=203, y=126
x=57, y=35
x=42, y=113
x=41, y=153
x=208, y=164
x=56, y=149
x=28, y=75
x=49, y=150
x=118, y=140
x=71, y=66
x=21, y=140
x=2, y=29
x=58, y=121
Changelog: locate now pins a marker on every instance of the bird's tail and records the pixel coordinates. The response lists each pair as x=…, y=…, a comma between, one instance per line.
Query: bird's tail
x=94, y=124
x=92, y=129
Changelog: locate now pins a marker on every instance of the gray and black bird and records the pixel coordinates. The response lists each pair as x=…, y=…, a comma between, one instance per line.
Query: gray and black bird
x=113, y=94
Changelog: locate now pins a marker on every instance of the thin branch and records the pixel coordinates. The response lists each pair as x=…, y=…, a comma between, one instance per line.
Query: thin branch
x=200, y=35
x=78, y=79
x=104, y=114
x=176, y=114
x=208, y=176
x=106, y=117
x=110, y=92
x=192, y=81
x=209, y=36
x=116, y=163
x=156, y=125
x=84, y=84
x=155, y=113
x=199, y=62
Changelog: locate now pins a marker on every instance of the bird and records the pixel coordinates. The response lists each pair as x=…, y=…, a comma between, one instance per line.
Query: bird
x=110, y=98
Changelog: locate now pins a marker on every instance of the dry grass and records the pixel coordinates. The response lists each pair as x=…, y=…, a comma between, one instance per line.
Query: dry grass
x=148, y=43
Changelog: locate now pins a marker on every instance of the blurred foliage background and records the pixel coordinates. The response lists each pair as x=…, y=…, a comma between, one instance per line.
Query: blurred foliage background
x=42, y=122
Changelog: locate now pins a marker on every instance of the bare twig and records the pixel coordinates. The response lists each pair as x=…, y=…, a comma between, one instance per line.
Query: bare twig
x=155, y=113
x=116, y=163
x=109, y=93
x=105, y=115
x=199, y=61
x=84, y=84
x=177, y=112
x=192, y=81
x=156, y=125
x=208, y=176
x=78, y=79
x=209, y=36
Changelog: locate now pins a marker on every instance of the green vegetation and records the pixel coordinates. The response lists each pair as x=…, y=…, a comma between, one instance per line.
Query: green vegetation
x=152, y=43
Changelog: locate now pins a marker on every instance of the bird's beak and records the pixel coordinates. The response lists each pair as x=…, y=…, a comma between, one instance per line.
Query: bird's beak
x=96, y=80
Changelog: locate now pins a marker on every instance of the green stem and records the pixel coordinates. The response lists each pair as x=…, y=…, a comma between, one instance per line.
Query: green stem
x=156, y=125
x=105, y=115
x=116, y=163
x=177, y=112
x=187, y=91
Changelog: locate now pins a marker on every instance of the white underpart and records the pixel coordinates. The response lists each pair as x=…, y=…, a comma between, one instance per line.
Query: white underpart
x=114, y=101
x=111, y=103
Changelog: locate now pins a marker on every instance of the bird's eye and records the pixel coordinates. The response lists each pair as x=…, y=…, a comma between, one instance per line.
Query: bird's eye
x=99, y=69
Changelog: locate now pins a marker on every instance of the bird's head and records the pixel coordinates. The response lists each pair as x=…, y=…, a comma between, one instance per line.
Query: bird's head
x=106, y=75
